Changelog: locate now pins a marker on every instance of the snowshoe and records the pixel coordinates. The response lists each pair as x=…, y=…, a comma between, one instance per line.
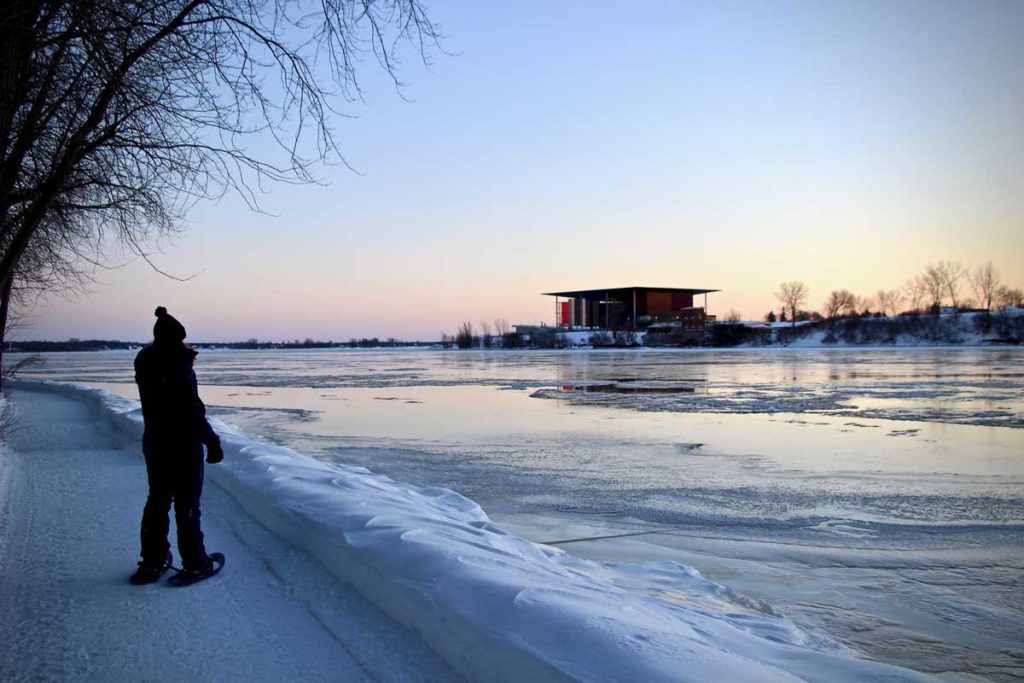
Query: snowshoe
x=150, y=573
x=187, y=577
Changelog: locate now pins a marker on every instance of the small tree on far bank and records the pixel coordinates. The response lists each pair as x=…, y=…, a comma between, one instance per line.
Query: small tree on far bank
x=952, y=273
x=1010, y=297
x=839, y=301
x=792, y=295
x=916, y=290
x=485, y=334
x=986, y=284
x=465, y=337
x=888, y=301
x=935, y=285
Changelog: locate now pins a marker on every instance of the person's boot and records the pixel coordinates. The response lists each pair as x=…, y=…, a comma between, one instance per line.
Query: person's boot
x=148, y=573
x=187, y=576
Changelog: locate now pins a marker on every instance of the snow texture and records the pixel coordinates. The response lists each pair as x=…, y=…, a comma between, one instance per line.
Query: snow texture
x=71, y=494
x=494, y=606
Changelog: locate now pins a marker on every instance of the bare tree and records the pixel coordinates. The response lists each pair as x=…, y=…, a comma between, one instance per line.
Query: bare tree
x=935, y=284
x=986, y=283
x=115, y=117
x=952, y=274
x=1008, y=296
x=839, y=300
x=792, y=294
x=888, y=301
x=916, y=289
x=501, y=327
x=862, y=304
x=60, y=258
x=465, y=338
x=485, y=334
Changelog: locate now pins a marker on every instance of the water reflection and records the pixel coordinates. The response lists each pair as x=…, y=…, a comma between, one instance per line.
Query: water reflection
x=934, y=385
x=624, y=388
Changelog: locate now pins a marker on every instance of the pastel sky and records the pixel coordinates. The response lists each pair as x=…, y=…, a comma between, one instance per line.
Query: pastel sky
x=569, y=144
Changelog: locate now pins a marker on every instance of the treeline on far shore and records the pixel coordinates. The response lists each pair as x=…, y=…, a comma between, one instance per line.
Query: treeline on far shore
x=115, y=345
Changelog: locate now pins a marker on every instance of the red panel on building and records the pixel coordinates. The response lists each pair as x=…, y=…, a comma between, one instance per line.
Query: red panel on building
x=681, y=300
x=565, y=313
x=659, y=302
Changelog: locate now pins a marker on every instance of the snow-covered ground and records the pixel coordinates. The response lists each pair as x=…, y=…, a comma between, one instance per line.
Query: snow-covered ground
x=72, y=486
x=947, y=328
x=371, y=569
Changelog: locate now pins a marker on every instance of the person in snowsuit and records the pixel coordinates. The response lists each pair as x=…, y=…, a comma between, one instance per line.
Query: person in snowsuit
x=175, y=431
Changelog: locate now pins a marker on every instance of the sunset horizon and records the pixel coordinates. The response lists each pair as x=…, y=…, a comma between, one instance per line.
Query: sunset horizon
x=731, y=146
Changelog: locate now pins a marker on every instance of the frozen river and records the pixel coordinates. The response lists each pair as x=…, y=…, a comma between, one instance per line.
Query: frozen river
x=873, y=495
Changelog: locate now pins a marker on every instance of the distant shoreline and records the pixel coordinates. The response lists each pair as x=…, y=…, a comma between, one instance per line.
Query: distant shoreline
x=436, y=346
x=962, y=329
x=118, y=345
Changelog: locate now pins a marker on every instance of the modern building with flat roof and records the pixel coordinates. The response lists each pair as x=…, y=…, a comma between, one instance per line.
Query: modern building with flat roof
x=629, y=308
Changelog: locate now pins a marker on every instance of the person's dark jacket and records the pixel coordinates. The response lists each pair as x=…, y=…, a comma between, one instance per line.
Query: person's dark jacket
x=174, y=415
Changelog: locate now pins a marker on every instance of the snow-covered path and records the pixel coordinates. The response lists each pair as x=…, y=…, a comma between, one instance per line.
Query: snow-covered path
x=71, y=492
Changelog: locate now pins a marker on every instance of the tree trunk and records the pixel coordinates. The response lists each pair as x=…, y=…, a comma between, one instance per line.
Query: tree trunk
x=5, y=307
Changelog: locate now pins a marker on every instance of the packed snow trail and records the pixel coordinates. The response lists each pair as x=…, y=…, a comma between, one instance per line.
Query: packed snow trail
x=72, y=488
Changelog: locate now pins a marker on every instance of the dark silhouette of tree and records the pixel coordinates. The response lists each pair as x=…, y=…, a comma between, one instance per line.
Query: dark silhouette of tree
x=116, y=117
x=986, y=283
x=888, y=301
x=792, y=295
x=952, y=274
x=934, y=280
x=916, y=289
x=465, y=338
x=839, y=301
x=485, y=334
x=1010, y=296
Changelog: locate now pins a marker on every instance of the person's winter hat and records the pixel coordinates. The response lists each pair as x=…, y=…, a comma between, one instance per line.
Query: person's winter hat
x=167, y=328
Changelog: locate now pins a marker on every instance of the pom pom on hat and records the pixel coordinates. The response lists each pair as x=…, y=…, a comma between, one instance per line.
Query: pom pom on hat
x=167, y=327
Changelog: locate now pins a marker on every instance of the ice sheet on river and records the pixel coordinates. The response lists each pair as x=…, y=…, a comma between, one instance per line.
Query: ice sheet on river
x=981, y=386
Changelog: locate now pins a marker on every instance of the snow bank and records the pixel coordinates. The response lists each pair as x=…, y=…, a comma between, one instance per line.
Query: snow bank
x=498, y=607
x=966, y=328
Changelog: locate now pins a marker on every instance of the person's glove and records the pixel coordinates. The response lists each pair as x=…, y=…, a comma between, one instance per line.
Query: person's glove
x=214, y=452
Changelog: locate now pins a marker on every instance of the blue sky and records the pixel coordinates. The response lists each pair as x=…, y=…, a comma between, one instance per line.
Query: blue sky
x=730, y=145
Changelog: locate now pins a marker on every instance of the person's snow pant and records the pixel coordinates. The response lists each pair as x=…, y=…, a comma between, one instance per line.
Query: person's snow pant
x=175, y=475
